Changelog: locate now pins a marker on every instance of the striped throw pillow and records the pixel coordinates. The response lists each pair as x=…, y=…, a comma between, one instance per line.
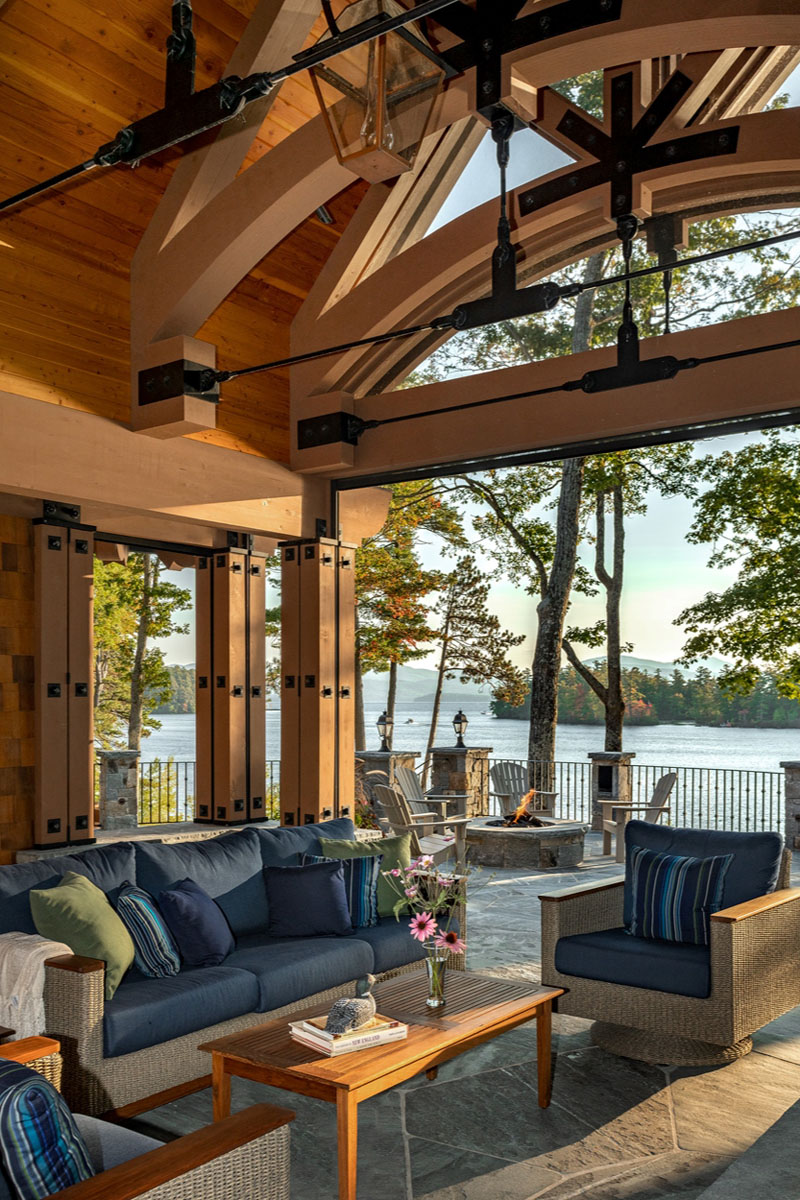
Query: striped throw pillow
x=674, y=897
x=43, y=1151
x=361, y=877
x=155, y=952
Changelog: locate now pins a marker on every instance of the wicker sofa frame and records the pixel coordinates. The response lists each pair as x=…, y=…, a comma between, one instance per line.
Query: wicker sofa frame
x=755, y=970
x=131, y=1083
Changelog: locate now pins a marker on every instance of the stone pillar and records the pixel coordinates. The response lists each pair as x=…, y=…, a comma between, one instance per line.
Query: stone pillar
x=791, y=772
x=119, y=788
x=378, y=766
x=611, y=780
x=464, y=771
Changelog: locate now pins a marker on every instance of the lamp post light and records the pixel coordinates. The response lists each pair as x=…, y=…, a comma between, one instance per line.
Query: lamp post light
x=460, y=724
x=385, y=725
x=377, y=98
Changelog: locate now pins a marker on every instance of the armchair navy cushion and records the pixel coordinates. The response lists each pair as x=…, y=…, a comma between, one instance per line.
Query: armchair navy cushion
x=613, y=956
x=753, y=872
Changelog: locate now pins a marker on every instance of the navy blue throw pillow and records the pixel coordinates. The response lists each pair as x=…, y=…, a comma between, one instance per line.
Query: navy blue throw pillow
x=307, y=901
x=197, y=923
x=361, y=877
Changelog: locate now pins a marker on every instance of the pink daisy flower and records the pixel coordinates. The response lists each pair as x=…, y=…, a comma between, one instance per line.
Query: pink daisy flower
x=422, y=926
x=448, y=939
x=411, y=892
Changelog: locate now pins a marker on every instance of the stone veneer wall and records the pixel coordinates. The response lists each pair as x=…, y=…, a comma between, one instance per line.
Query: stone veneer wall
x=16, y=686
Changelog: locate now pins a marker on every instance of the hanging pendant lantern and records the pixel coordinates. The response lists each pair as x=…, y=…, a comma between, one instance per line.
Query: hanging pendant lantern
x=377, y=98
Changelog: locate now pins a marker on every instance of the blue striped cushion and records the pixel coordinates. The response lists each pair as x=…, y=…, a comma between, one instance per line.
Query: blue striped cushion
x=361, y=877
x=674, y=897
x=155, y=952
x=42, y=1150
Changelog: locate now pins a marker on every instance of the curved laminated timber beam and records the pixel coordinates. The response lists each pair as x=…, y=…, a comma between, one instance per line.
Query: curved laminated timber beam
x=381, y=275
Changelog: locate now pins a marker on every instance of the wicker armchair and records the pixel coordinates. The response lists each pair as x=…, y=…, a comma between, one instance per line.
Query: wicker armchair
x=245, y=1157
x=754, y=976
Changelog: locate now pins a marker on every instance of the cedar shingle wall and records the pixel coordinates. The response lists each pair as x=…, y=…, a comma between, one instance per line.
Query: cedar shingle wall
x=16, y=686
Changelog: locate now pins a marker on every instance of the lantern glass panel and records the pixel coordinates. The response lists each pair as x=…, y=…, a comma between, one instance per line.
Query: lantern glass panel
x=377, y=98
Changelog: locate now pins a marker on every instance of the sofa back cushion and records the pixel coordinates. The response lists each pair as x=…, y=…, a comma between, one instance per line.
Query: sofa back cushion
x=108, y=867
x=753, y=871
x=228, y=868
x=285, y=846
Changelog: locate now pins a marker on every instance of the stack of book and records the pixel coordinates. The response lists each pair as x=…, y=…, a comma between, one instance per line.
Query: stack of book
x=374, y=1032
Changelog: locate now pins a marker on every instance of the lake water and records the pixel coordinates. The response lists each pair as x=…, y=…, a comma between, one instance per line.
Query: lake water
x=659, y=745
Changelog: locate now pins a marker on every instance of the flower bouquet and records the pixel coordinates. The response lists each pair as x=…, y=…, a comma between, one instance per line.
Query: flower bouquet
x=432, y=896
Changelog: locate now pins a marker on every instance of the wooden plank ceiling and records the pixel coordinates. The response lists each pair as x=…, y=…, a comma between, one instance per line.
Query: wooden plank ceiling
x=71, y=74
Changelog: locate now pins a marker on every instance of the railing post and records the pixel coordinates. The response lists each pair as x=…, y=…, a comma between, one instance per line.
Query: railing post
x=463, y=770
x=611, y=780
x=791, y=804
x=119, y=788
x=378, y=766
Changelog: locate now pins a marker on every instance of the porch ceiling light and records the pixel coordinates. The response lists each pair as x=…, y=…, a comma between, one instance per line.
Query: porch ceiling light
x=384, y=725
x=377, y=98
x=460, y=724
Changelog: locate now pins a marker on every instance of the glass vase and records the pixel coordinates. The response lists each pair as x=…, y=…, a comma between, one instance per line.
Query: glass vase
x=436, y=966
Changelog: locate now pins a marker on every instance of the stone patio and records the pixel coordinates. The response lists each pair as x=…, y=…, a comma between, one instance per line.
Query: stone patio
x=616, y=1130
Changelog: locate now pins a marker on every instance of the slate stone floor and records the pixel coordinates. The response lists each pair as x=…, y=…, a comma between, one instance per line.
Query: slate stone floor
x=616, y=1130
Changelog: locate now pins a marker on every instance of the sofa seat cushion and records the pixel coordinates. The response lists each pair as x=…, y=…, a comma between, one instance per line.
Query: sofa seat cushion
x=146, y=1012
x=285, y=846
x=227, y=867
x=753, y=871
x=108, y=867
x=392, y=944
x=614, y=956
x=287, y=969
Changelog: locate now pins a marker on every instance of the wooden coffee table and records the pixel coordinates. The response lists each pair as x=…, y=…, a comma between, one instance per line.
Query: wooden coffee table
x=478, y=1008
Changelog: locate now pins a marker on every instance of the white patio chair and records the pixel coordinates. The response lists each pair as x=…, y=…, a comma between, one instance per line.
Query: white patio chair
x=511, y=781
x=439, y=846
x=616, y=815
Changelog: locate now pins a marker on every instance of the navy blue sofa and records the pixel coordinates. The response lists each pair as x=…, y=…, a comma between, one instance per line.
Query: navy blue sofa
x=144, y=1040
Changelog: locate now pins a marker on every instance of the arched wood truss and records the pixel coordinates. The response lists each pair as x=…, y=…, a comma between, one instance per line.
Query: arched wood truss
x=214, y=225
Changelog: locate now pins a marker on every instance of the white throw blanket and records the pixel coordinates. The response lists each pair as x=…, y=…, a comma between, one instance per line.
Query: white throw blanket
x=22, y=959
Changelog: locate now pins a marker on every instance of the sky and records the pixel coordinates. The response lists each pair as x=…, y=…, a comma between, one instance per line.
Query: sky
x=663, y=572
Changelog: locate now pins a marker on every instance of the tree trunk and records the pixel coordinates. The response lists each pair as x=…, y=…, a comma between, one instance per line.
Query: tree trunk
x=552, y=609
x=149, y=580
x=361, y=733
x=615, y=705
x=551, y=612
x=391, y=699
x=437, y=699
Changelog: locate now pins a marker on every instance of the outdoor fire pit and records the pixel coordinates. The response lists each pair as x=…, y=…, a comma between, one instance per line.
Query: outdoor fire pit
x=549, y=842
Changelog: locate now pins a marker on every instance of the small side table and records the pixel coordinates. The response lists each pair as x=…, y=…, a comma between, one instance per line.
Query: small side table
x=42, y=1054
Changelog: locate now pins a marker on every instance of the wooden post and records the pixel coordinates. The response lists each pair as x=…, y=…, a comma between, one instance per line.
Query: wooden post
x=317, y=665
x=230, y=687
x=64, y=800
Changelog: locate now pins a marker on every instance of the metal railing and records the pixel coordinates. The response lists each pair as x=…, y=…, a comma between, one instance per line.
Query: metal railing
x=167, y=791
x=703, y=797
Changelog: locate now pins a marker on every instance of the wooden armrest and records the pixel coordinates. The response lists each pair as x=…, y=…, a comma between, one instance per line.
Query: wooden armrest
x=148, y=1171
x=76, y=963
x=451, y=821
x=29, y=1049
x=751, y=908
x=428, y=817
x=445, y=795
x=583, y=889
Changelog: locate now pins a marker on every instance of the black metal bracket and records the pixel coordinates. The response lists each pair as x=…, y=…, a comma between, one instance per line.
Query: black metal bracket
x=626, y=150
x=181, y=54
x=177, y=378
x=329, y=428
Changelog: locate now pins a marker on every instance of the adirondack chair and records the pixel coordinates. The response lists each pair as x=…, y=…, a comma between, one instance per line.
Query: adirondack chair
x=438, y=845
x=407, y=780
x=511, y=781
x=616, y=815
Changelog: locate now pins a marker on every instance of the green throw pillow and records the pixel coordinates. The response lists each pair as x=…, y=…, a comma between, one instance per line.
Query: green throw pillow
x=396, y=852
x=78, y=913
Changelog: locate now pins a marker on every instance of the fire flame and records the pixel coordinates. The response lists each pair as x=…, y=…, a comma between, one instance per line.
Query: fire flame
x=522, y=807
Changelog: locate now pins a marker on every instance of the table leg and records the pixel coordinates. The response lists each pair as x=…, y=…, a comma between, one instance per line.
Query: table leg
x=543, y=1040
x=220, y=1087
x=347, y=1128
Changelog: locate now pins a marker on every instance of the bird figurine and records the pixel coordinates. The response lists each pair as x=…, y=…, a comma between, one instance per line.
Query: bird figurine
x=347, y=1014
